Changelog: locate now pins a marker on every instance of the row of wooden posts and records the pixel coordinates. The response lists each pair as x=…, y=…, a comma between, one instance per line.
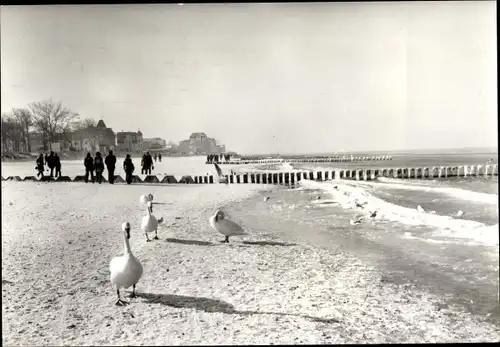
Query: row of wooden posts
x=303, y=160
x=293, y=177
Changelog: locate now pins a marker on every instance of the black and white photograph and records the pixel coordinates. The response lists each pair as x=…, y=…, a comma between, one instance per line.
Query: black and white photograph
x=249, y=173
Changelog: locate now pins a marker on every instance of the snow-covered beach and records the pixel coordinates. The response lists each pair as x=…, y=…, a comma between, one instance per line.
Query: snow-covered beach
x=265, y=288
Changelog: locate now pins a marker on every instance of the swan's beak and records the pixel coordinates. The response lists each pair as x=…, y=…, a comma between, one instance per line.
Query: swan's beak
x=151, y=208
x=128, y=232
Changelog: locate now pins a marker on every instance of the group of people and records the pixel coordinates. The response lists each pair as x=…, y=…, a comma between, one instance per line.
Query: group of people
x=97, y=164
x=217, y=158
x=147, y=163
x=52, y=161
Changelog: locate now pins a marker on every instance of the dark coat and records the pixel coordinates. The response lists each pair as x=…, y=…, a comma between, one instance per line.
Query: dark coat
x=89, y=163
x=98, y=163
x=128, y=166
x=110, y=161
x=39, y=164
x=51, y=161
x=57, y=162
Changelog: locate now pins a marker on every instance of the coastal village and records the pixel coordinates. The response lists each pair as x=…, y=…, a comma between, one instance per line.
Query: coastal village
x=103, y=138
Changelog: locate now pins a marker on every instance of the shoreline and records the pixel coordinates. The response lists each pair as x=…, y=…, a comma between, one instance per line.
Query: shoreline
x=264, y=288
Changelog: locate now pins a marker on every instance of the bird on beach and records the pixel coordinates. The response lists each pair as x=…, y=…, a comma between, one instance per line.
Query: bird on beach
x=145, y=198
x=222, y=178
x=356, y=220
x=125, y=270
x=420, y=209
x=373, y=214
x=460, y=213
x=267, y=198
x=225, y=226
x=150, y=223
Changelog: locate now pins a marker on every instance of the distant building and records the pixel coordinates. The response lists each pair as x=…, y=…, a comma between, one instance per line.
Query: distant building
x=155, y=142
x=92, y=139
x=200, y=143
x=129, y=141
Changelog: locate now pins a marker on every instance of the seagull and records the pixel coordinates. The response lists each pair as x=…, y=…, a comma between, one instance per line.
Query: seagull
x=420, y=209
x=460, y=213
x=358, y=205
x=356, y=220
x=222, y=178
x=373, y=214
x=125, y=270
x=225, y=226
x=267, y=198
x=318, y=198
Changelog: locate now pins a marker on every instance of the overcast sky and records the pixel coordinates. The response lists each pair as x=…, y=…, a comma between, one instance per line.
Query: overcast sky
x=311, y=77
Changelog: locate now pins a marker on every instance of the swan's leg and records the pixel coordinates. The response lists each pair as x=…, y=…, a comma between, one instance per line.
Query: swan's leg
x=147, y=238
x=132, y=295
x=120, y=302
x=226, y=240
x=156, y=235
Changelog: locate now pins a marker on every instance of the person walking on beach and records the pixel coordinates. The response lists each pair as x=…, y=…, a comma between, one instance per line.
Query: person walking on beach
x=39, y=165
x=89, y=167
x=159, y=157
x=143, y=163
x=148, y=163
x=155, y=157
x=128, y=167
x=51, y=163
x=110, y=162
x=99, y=166
x=57, y=165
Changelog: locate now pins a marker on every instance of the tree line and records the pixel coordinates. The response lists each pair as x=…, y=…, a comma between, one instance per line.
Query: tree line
x=52, y=120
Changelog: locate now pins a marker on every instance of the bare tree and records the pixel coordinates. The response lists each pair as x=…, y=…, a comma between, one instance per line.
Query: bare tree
x=52, y=119
x=24, y=118
x=84, y=124
x=11, y=133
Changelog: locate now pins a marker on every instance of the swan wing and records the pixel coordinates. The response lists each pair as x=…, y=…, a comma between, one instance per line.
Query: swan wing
x=229, y=228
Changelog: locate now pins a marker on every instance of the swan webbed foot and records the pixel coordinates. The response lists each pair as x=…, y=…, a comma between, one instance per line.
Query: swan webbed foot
x=120, y=302
x=155, y=238
x=148, y=240
x=132, y=295
x=226, y=240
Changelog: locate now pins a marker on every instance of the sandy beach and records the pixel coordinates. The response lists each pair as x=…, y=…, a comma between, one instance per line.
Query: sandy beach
x=57, y=241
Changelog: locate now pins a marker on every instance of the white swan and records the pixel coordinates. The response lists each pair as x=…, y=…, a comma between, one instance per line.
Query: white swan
x=150, y=223
x=145, y=198
x=126, y=270
x=225, y=226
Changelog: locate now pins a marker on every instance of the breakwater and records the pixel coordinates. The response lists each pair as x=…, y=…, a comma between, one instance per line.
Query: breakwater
x=288, y=178
x=343, y=159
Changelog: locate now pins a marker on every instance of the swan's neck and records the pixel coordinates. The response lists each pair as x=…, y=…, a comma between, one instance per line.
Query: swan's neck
x=149, y=211
x=126, y=249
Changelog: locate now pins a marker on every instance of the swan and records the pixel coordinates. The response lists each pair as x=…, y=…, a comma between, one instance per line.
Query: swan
x=145, y=198
x=126, y=270
x=222, y=178
x=150, y=223
x=225, y=226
